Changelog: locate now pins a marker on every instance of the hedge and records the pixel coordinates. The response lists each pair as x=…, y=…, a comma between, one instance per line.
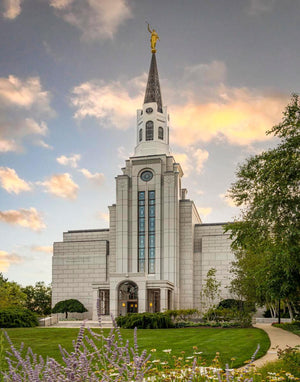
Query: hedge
x=17, y=318
x=145, y=321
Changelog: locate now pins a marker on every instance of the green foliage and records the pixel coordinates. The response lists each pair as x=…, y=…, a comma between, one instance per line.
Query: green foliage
x=211, y=289
x=16, y=317
x=38, y=298
x=10, y=294
x=266, y=240
x=291, y=357
x=145, y=321
x=181, y=314
x=230, y=315
x=294, y=327
x=69, y=306
x=232, y=303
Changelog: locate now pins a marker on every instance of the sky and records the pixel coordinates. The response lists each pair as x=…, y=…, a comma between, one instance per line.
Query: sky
x=72, y=75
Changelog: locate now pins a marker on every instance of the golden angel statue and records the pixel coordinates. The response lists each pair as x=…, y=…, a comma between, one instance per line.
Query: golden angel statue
x=154, y=38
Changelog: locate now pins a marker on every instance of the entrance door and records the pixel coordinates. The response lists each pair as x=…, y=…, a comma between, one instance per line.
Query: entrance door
x=132, y=307
x=128, y=298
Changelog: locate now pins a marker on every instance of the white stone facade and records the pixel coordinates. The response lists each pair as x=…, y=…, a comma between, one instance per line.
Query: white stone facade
x=156, y=253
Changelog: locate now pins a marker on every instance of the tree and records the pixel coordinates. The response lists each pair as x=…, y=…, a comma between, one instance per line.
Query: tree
x=38, y=298
x=211, y=289
x=267, y=238
x=11, y=294
x=69, y=306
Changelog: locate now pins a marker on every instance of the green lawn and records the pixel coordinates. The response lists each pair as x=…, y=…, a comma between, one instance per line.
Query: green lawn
x=230, y=343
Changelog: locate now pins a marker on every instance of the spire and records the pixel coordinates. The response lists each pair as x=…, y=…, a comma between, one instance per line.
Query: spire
x=153, y=89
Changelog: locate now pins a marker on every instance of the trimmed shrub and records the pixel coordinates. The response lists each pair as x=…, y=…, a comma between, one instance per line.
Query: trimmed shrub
x=145, y=321
x=17, y=318
x=181, y=314
x=218, y=315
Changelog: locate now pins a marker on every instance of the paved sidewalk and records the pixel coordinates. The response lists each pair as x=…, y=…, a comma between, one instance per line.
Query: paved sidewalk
x=279, y=339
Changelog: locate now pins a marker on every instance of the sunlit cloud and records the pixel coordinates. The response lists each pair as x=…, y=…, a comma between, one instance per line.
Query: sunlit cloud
x=11, y=182
x=61, y=185
x=8, y=145
x=6, y=259
x=28, y=218
x=204, y=211
x=192, y=161
x=111, y=104
x=42, y=248
x=97, y=177
x=96, y=19
x=240, y=116
x=23, y=106
x=12, y=9
x=71, y=161
x=228, y=200
x=104, y=216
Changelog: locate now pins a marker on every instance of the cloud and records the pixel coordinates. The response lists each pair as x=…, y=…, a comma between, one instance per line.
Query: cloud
x=69, y=161
x=23, y=106
x=228, y=200
x=240, y=116
x=41, y=143
x=97, y=19
x=200, y=157
x=205, y=73
x=192, y=161
x=104, y=216
x=61, y=185
x=7, y=145
x=111, y=104
x=29, y=218
x=11, y=182
x=42, y=248
x=12, y=9
x=97, y=177
x=257, y=7
x=204, y=211
x=6, y=259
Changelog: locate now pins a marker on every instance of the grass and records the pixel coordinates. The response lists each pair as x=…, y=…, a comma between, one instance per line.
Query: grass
x=294, y=327
x=237, y=344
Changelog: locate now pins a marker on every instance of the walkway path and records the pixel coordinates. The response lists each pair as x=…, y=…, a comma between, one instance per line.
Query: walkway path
x=279, y=338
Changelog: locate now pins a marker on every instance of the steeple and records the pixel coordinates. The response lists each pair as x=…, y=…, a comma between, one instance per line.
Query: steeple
x=152, y=133
x=152, y=93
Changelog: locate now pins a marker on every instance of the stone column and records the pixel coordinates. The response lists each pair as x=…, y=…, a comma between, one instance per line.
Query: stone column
x=163, y=299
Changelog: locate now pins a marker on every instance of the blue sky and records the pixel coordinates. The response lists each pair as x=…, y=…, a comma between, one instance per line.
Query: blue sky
x=73, y=73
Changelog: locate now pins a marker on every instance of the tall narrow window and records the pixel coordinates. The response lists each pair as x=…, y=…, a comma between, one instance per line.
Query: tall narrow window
x=103, y=301
x=151, y=232
x=149, y=131
x=160, y=132
x=140, y=135
x=141, y=231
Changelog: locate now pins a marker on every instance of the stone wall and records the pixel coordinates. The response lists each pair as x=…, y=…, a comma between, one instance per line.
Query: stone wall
x=80, y=260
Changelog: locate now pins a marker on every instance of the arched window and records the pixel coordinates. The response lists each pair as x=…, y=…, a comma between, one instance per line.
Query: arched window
x=140, y=135
x=160, y=133
x=149, y=131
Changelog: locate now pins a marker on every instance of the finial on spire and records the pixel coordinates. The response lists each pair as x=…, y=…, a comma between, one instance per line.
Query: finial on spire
x=153, y=39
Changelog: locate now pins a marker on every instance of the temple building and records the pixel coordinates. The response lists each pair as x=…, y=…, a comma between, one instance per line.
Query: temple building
x=156, y=253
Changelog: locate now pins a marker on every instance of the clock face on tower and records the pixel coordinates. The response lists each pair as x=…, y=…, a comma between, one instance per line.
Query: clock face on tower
x=146, y=175
x=149, y=110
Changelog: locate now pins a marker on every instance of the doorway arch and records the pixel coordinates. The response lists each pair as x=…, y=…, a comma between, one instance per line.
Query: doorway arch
x=128, y=298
